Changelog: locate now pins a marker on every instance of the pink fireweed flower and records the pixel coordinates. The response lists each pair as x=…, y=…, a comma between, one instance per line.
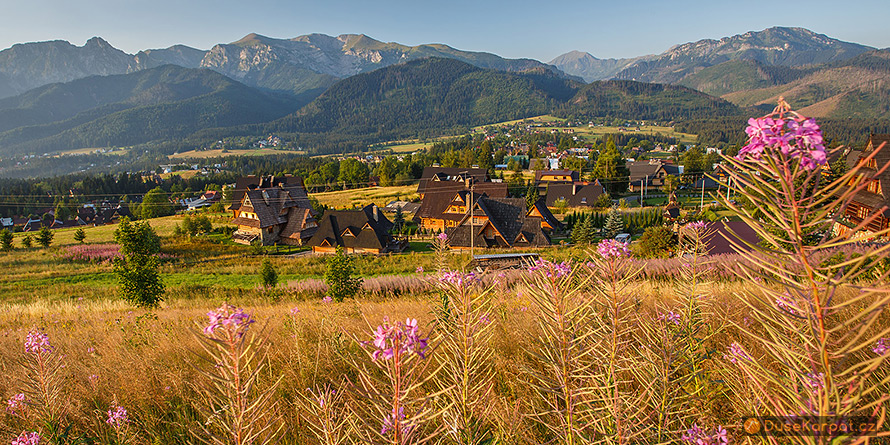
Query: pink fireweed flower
x=735, y=353
x=37, y=342
x=670, y=317
x=327, y=299
x=697, y=436
x=27, y=438
x=294, y=311
x=612, y=250
x=785, y=303
x=696, y=226
x=117, y=416
x=442, y=237
x=419, y=269
x=551, y=269
x=457, y=278
x=796, y=137
x=230, y=320
x=16, y=404
x=881, y=347
x=401, y=338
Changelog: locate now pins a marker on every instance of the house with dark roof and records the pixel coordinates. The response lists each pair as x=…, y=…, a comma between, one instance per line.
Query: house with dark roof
x=446, y=174
x=498, y=223
x=549, y=222
x=649, y=174
x=356, y=231
x=875, y=197
x=433, y=213
x=724, y=237
x=575, y=194
x=111, y=215
x=273, y=212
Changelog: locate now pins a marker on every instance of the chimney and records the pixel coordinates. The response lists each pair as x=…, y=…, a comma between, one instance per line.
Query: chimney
x=375, y=210
x=574, y=188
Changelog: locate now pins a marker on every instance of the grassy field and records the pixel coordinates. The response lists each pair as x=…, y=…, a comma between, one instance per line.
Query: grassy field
x=592, y=133
x=84, y=151
x=204, y=154
x=347, y=199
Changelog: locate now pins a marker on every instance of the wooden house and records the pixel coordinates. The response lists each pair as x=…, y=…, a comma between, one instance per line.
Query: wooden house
x=356, y=231
x=498, y=223
x=273, y=212
x=875, y=198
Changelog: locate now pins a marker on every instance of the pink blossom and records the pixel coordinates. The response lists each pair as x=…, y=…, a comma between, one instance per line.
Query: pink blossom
x=294, y=311
x=442, y=237
x=670, y=317
x=16, y=404
x=117, y=416
x=457, y=278
x=881, y=347
x=27, y=438
x=229, y=321
x=785, y=303
x=794, y=138
x=551, y=269
x=697, y=436
x=37, y=342
x=419, y=269
x=327, y=299
x=815, y=381
x=390, y=420
x=612, y=250
x=735, y=353
x=398, y=339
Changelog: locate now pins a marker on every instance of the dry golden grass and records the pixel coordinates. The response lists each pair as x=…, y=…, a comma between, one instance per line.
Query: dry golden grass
x=347, y=199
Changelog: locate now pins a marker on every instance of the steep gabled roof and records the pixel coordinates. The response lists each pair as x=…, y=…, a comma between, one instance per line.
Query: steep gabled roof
x=881, y=158
x=371, y=229
x=540, y=207
x=447, y=174
x=244, y=183
x=508, y=217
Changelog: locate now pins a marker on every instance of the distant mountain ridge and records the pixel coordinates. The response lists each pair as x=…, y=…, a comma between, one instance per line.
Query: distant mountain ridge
x=303, y=66
x=779, y=46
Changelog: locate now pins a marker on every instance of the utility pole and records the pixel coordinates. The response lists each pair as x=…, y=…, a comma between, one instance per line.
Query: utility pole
x=701, y=206
x=472, y=230
x=643, y=184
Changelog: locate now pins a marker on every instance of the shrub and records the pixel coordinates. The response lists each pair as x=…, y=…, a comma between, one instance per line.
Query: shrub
x=614, y=223
x=137, y=269
x=657, y=242
x=27, y=241
x=338, y=276
x=44, y=236
x=269, y=274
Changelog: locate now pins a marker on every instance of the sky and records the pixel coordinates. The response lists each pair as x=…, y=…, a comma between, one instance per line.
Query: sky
x=536, y=29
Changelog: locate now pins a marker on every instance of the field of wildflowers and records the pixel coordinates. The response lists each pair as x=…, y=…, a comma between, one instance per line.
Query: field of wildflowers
x=589, y=347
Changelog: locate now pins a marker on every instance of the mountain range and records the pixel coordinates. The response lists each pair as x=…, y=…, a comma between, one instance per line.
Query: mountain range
x=352, y=89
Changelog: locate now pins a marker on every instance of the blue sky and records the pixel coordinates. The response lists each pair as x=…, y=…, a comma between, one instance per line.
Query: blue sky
x=536, y=29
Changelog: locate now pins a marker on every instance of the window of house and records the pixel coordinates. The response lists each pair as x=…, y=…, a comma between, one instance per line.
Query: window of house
x=875, y=187
x=584, y=200
x=872, y=163
x=862, y=212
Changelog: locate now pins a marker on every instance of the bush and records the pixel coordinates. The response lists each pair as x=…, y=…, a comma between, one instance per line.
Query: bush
x=27, y=241
x=44, y=236
x=137, y=269
x=657, y=242
x=268, y=274
x=338, y=276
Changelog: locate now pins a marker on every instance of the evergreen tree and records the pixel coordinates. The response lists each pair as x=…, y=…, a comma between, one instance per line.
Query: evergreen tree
x=6, y=240
x=27, y=241
x=580, y=232
x=398, y=220
x=657, y=242
x=614, y=223
x=44, y=236
x=531, y=195
x=80, y=235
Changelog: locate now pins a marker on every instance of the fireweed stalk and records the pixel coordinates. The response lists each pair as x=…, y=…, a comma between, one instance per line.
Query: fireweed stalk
x=325, y=412
x=395, y=410
x=564, y=354
x=119, y=422
x=621, y=419
x=42, y=382
x=464, y=340
x=236, y=412
x=815, y=340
